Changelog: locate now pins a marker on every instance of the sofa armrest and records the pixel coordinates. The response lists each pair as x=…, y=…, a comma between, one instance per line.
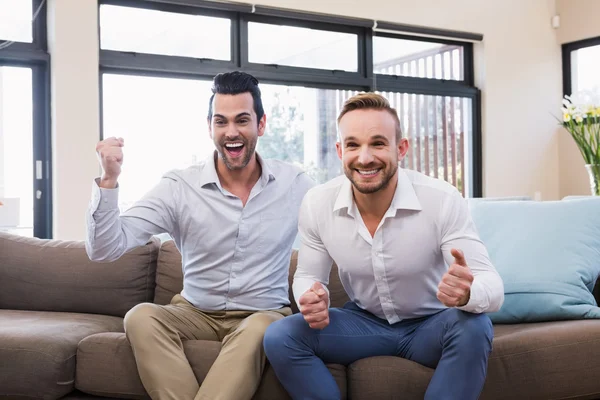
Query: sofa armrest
x=57, y=275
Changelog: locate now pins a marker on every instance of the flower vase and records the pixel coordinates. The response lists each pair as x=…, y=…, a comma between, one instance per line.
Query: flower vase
x=594, y=172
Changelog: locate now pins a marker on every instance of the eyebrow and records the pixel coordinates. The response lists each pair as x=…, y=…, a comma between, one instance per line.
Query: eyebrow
x=242, y=114
x=376, y=137
x=379, y=137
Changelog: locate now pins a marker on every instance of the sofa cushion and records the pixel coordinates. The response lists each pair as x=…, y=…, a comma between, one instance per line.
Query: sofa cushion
x=548, y=255
x=387, y=378
x=169, y=273
x=57, y=275
x=106, y=367
x=37, y=350
x=548, y=360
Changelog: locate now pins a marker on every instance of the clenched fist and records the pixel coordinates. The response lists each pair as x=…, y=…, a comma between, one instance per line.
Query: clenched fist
x=110, y=154
x=314, y=306
x=455, y=288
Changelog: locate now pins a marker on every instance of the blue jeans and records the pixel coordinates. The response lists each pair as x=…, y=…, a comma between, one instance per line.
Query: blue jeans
x=456, y=343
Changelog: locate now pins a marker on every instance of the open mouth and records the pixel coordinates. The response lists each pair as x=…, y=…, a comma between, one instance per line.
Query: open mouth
x=368, y=173
x=234, y=149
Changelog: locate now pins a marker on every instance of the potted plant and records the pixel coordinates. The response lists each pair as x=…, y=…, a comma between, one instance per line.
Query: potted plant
x=581, y=118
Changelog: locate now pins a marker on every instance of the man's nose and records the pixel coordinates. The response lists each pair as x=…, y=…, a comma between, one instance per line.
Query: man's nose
x=365, y=156
x=231, y=132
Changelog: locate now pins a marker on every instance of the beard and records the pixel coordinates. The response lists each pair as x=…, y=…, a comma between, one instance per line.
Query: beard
x=386, y=174
x=237, y=163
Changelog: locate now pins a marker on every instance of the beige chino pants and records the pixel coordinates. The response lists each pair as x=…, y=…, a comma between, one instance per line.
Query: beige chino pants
x=156, y=334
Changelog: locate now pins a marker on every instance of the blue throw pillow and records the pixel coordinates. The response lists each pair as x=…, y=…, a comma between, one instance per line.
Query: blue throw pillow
x=548, y=255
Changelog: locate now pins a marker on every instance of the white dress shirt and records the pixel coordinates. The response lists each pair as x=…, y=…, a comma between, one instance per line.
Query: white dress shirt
x=394, y=274
x=234, y=257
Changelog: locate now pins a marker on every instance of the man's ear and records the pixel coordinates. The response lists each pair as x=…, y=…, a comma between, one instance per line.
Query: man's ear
x=338, y=147
x=262, y=124
x=208, y=120
x=403, y=147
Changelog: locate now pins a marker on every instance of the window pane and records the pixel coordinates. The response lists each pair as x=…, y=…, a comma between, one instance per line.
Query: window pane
x=584, y=69
x=392, y=56
x=302, y=47
x=158, y=32
x=163, y=122
x=301, y=128
x=16, y=151
x=439, y=130
x=15, y=20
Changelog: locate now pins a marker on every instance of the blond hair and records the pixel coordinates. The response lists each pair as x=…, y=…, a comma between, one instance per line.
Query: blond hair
x=370, y=101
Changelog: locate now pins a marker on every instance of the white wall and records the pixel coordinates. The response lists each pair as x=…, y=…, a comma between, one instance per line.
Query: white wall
x=517, y=68
x=578, y=20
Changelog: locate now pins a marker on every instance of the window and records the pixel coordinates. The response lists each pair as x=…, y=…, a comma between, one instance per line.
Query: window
x=163, y=124
x=417, y=58
x=308, y=65
x=25, y=185
x=15, y=20
x=164, y=33
x=302, y=47
x=439, y=130
x=580, y=66
x=16, y=144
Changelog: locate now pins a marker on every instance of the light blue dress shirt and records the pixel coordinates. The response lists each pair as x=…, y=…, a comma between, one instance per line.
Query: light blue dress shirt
x=235, y=257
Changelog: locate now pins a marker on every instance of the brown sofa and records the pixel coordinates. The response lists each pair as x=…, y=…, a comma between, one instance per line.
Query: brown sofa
x=61, y=334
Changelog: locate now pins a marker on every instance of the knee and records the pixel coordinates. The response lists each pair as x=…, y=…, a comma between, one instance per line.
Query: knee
x=280, y=334
x=253, y=328
x=474, y=328
x=139, y=320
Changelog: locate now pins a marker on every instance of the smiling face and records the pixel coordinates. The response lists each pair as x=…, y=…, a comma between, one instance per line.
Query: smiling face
x=369, y=148
x=235, y=129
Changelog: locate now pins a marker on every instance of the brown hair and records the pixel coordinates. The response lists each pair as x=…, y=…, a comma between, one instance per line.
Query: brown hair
x=370, y=101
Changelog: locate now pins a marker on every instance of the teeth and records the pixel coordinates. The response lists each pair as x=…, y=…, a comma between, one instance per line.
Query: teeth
x=370, y=172
x=231, y=145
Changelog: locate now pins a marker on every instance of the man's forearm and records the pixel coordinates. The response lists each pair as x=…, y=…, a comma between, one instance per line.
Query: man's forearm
x=486, y=295
x=104, y=236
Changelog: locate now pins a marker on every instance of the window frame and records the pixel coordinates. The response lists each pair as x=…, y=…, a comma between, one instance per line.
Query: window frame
x=35, y=55
x=567, y=49
x=364, y=79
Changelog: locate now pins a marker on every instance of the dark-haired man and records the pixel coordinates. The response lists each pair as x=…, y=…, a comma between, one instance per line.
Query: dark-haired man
x=234, y=219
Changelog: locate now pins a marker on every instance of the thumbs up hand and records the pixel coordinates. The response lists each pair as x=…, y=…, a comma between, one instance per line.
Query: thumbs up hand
x=455, y=288
x=314, y=306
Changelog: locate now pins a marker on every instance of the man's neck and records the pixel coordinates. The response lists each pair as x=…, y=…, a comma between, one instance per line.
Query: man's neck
x=240, y=178
x=375, y=205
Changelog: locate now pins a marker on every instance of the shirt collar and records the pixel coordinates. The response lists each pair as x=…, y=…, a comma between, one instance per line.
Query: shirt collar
x=404, y=198
x=209, y=172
